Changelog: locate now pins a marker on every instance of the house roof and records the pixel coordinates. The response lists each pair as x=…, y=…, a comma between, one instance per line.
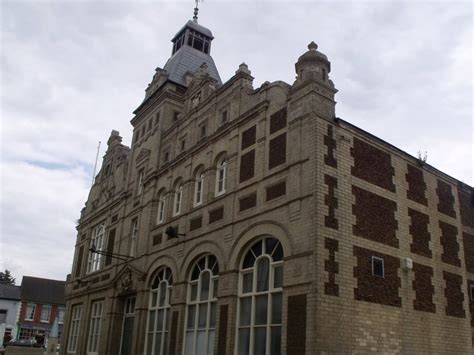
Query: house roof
x=10, y=292
x=35, y=289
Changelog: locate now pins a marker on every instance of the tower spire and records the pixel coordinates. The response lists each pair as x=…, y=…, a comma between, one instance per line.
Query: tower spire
x=196, y=10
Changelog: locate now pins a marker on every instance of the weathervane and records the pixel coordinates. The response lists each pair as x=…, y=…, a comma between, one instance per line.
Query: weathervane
x=196, y=10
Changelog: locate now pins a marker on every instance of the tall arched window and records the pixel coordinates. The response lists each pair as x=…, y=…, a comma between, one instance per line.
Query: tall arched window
x=260, y=299
x=221, y=176
x=158, y=309
x=178, y=198
x=201, y=307
x=161, y=208
x=198, y=187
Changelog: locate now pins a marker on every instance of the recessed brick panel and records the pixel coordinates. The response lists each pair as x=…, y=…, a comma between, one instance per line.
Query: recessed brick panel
x=332, y=267
x=416, y=185
x=276, y=190
x=277, y=154
x=248, y=137
x=375, y=217
x=470, y=283
x=174, y=333
x=420, y=235
x=157, y=239
x=195, y=223
x=370, y=288
x=296, y=329
x=424, y=289
x=450, y=244
x=331, y=202
x=278, y=121
x=445, y=198
x=466, y=207
x=216, y=215
x=247, y=166
x=454, y=295
x=222, y=333
x=330, y=143
x=248, y=202
x=468, y=242
x=373, y=165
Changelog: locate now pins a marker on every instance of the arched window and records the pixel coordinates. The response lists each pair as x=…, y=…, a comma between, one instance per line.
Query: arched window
x=158, y=309
x=198, y=187
x=221, y=175
x=260, y=299
x=161, y=208
x=201, y=307
x=178, y=197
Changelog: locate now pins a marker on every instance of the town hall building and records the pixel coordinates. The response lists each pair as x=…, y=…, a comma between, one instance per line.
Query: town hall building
x=249, y=220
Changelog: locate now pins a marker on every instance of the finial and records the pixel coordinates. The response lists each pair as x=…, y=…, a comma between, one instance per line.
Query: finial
x=196, y=10
x=312, y=46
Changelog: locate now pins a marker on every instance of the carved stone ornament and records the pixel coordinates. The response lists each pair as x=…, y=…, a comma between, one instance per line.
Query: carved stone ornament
x=126, y=282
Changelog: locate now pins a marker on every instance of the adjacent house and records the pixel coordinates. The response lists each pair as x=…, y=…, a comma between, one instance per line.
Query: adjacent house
x=9, y=310
x=42, y=301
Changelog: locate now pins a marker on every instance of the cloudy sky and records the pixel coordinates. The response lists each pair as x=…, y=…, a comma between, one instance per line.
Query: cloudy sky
x=71, y=71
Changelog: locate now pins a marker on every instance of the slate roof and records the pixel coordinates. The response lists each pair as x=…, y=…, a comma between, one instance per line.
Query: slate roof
x=188, y=59
x=35, y=289
x=10, y=292
x=194, y=26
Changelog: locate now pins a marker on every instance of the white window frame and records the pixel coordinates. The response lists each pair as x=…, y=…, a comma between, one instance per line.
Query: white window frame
x=93, y=338
x=198, y=188
x=159, y=303
x=373, y=266
x=94, y=262
x=30, y=311
x=221, y=176
x=195, y=304
x=178, y=199
x=133, y=237
x=43, y=318
x=160, y=218
x=270, y=294
x=74, y=327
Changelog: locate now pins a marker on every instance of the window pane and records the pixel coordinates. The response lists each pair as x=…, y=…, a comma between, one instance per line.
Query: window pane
x=202, y=316
x=210, y=343
x=213, y=315
x=257, y=248
x=247, y=281
x=276, y=341
x=149, y=344
x=189, y=343
x=154, y=296
x=157, y=344
x=244, y=338
x=278, y=253
x=270, y=244
x=201, y=342
x=194, y=290
x=249, y=260
x=215, y=288
x=162, y=293
x=245, y=310
x=261, y=309
x=205, y=285
x=260, y=341
x=151, y=321
x=191, y=317
x=159, y=325
x=278, y=277
x=262, y=274
x=276, y=308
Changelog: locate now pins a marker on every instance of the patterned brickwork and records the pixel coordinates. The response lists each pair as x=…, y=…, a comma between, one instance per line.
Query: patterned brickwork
x=445, y=198
x=468, y=242
x=372, y=165
x=450, y=244
x=278, y=121
x=296, y=329
x=454, y=295
x=331, y=145
x=466, y=206
x=416, y=185
x=276, y=190
x=248, y=137
x=375, y=217
x=277, y=153
x=247, y=166
x=371, y=288
x=424, y=289
x=157, y=239
x=216, y=214
x=470, y=294
x=248, y=202
x=330, y=200
x=332, y=267
x=421, y=237
x=195, y=223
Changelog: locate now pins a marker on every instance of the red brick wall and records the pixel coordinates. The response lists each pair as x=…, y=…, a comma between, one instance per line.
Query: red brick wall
x=277, y=154
x=424, y=289
x=375, y=217
x=454, y=295
x=466, y=206
x=275, y=190
x=248, y=137
x=296, y=329
x=331, y=201
x=247, y=166
x=222, y=332
x=416, y=185
x=376, y=289
x=248, y=202
x=471, y=301
x=421, y=237
x=331, y=145
x=332, y=267
x=372, y=165
x=468, y=241
x=278, y=121
x=446, y=199
x=450, y=244
x=216, y=214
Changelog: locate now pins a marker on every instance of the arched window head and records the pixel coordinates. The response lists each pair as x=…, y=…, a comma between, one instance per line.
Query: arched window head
x=198, y=187
x=178, y=198
x=260, y=299
x=221, y=176
x=201, y=307
x=160, y=218
x=158, y=309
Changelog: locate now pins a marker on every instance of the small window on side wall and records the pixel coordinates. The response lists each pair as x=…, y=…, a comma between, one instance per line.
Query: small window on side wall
x=378, y=266
x=224, y=116
x=472, y=292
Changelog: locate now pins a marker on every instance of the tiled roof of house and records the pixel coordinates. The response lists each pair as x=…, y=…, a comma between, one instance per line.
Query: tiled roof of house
x=10, y=292
x=35, y=289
